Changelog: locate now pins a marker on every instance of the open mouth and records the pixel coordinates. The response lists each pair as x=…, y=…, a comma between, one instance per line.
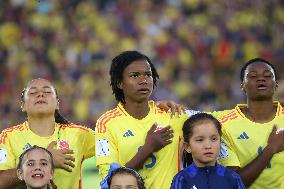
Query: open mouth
x=144, y=90
x=40, y=102
x=38, y=175
x=261, y=87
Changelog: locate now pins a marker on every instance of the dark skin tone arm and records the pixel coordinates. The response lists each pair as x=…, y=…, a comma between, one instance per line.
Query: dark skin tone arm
x=154, y=141
x=250, y=172
x=9, y=179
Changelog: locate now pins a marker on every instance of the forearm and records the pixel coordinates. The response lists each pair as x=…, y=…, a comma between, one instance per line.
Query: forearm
x=139, y=159
x=9, y=179
x=250, y=172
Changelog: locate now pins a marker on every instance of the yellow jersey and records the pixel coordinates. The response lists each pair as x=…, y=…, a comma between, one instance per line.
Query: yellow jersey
x=119, y=137
x=15, y=140
x=243, y=140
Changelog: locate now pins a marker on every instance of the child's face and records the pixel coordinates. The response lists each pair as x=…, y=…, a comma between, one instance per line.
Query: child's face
x=36, y=169
x=204, y=144
x=123, y=181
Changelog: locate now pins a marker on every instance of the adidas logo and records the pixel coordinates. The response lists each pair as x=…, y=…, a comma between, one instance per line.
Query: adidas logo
x=194, y=187
x=243, y=136
x=128, y=134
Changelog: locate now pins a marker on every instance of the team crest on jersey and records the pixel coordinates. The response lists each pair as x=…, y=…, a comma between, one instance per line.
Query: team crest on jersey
x=63, y=144
x=27, y=146
x=3, y=155
x=223, y=151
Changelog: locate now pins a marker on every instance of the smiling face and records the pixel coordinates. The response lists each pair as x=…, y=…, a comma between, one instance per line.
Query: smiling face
x=137, y=81
x=259, y=81
x=40, y=98
x=204, y=143
x=36, y=169
x=123, y=181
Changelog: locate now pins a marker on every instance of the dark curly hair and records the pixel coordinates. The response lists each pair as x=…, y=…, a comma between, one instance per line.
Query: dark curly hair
x=118, y=65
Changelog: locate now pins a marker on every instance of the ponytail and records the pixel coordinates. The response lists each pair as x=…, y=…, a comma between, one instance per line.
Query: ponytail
x=59, y=118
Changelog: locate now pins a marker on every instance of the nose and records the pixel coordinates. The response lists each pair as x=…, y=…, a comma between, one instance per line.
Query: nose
x=40, y=93
x=208, y=144
x=143, y=80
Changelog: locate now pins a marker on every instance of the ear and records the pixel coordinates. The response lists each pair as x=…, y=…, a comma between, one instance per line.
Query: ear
x=242, y=87
x=276, y=86
x=23, y=106
x=20, y=174
x=119, y=85
x=187, y=147
x=57, y=106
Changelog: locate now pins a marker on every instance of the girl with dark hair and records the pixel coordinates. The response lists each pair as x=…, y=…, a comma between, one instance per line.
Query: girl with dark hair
x=69, y=143
x=202, y=139
x=124, y=177
x=36, y=168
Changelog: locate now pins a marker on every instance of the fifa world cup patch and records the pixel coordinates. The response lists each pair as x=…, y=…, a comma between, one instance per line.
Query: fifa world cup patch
x=3, y=155
x=224, y=154
x=102, y=148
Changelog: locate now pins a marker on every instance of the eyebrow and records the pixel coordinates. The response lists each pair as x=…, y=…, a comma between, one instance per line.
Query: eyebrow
x=42, y=87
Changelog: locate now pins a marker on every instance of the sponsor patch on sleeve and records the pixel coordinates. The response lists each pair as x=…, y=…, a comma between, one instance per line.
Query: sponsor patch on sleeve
x=3, y=155
x=102, y=148
x=224, y=154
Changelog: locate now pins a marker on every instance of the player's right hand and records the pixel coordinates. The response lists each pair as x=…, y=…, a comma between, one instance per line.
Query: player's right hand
x=276, y=140
x=158, y=137
x=62, y=158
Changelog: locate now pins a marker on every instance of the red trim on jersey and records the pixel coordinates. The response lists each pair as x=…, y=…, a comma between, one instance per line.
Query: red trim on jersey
x=159, y=110
x=103, y=117
x=179, y=162
x=4, y=134
x=80, y=179
x=73, y=126
x=103, y=122
x=230, y=116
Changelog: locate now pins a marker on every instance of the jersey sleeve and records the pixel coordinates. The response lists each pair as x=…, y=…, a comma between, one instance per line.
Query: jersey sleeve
x=219, y=114
x=7, y=157
x=89, y=144
x=179, y=182
x=238, y=183
x=106, y=149
x=227, y=156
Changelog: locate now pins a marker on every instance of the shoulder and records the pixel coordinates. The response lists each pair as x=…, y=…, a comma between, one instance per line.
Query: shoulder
x=230, y=115
x=6, y=133
x=107, y=118
x=74, y=127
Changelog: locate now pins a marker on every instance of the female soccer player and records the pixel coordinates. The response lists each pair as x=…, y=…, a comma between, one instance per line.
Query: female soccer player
x=136, y=133
x=69, y=143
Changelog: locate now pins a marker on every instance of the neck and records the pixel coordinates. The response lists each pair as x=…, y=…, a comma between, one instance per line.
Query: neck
x=42, y=126
x=44, y=187
x=260, y=111
x=137, y=110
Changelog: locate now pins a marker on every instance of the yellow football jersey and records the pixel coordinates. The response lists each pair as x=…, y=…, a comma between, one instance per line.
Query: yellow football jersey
x=15, y=140
x=119, y=137
x=243, y=140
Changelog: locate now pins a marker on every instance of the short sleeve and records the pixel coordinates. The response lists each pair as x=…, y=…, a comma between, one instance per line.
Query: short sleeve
x=227, y=156
x=89, y=144
x=106, y=149
x=7, y=157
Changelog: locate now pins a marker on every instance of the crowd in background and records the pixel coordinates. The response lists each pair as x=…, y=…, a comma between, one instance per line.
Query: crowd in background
x=198, y=47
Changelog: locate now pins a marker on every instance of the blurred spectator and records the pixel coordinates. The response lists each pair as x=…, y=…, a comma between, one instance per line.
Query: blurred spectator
x=196, y=45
